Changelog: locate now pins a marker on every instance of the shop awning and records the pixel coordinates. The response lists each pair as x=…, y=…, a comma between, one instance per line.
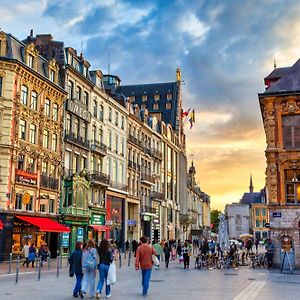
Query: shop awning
x=45, y=224
x=1, y=225
x=100, y=227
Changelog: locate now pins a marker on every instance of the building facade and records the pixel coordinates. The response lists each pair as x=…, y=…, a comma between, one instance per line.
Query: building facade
x=280, y=112
x=31, y=152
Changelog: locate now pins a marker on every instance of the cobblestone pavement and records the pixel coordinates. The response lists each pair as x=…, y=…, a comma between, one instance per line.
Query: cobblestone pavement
x=172, y=283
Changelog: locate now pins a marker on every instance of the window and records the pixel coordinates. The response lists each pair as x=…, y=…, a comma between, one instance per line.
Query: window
x=115, y=171
x=122, y=122
x=44, y=168
x=68, y=124
x=46, y=139
x=86, y=98
x=24, y=94
x=263, y=223
x=76, y=128
x=47, y=107
x=22, y=130
x=144, y=98
x=32, y=133
x=101, y=113
x=18, y=202
x=30, y=61
x=95, y=108
x=83, y=131
x=116, y=118
x=52, y=171
x=109, y=114
x=43, y=208
x=33, y=103
x=78, y=93
x=108, y=166
x=238, y=220
x=71, y=89
x=155, y=106
x=31, y=165
x=92, y=163
x=52, y=75
x=116, y=143
x=168, y=105
x=54, y=142
x=109, y=142
x=292, y=186
x=291, y=131
x=100, y=135
x=143, y=106
x=29, y=205
x=156, y=97
x=51, y=206
x=257, y=212
x=122, y=146
x=257, y=223
x=1, y=79
x=21, y=159
x=94, y=132
x=263, y=212
x=169, y=96
x=55, y=112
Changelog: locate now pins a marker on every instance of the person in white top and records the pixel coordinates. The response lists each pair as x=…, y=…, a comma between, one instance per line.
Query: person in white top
x=26, y=253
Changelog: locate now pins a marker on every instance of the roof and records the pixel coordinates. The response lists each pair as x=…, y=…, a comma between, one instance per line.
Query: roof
x=169, y=116
x=289, y=81
x=250, y=198
x=278, y=73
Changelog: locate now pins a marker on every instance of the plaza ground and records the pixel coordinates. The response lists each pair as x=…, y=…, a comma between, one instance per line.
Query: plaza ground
x=172, y=283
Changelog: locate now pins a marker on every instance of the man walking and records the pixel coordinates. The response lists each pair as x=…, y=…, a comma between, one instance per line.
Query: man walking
x=270, y=247
x=143, y=260
x=26, y=253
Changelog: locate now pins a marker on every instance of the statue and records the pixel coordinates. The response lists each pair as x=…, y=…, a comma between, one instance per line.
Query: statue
x=223, y=238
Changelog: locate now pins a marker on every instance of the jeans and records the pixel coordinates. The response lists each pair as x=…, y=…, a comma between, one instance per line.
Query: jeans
x=77, y=287
x=103, y=271
x=146, y=275
x=186, y=260
x=88, y=281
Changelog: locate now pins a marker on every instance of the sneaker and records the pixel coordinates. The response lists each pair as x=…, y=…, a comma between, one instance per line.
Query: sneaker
x=97, y=295
x=108, y=296
x=81, y=294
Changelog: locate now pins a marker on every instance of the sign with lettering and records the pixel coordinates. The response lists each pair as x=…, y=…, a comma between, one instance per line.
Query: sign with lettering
x=26, y=177
x=131, y=222
x=65, y=240
x=80, y=234
x=276, y=214
x=98, y=219
x=77, y=108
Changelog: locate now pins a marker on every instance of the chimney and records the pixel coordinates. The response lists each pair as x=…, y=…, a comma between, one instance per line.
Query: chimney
x=31, y=33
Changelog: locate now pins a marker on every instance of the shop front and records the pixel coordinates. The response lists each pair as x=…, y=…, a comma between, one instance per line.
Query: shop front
x=115, y=217
x=97, y=227
x=133, y=217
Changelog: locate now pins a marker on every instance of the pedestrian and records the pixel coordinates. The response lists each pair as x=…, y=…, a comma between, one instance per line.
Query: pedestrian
x=26, y=253
x=212, y=246
x=167, y=252
x=134, y=246
x=159, y=250
x=43, y=253
x=89, y=266
x=127, y=245
x=105, y=258
x=31, y=255
x=143, y=260
x=204, y=247
x=186, y=255
x=179, y=248
x=270, y=247
x=75, y=261
x=256, y=245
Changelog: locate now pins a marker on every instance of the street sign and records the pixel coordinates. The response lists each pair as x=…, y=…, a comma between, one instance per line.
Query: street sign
x=80, y=234
x=65, y=240
x=276, y=214
x=267, y=225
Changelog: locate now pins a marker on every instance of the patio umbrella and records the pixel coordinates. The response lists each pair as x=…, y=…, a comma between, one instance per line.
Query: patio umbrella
x=246, y=236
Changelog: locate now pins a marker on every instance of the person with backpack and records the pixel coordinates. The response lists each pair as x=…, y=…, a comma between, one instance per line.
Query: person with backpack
x=105, y=259
x=75, y=261
x=89, y=266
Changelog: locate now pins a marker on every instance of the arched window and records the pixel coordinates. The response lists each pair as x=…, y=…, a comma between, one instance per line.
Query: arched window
x=286, y=244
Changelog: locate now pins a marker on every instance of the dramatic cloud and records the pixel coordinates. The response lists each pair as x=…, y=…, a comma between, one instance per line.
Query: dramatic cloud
x=224, y=48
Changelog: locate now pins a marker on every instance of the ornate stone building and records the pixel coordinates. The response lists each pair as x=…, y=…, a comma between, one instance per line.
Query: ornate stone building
x=280, y=108
x=31, y=146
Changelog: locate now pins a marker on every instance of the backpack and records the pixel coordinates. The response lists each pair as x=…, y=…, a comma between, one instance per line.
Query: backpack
x=90, y=263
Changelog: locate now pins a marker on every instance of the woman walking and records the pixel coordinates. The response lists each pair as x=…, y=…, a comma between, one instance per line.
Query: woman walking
x=185, y=254
x=167, y=252
x=31, y=255
x=89, y=265
x=75, y=261
x=105, y=258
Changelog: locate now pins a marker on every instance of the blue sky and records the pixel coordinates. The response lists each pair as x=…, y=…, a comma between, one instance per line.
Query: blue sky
x=224, y=49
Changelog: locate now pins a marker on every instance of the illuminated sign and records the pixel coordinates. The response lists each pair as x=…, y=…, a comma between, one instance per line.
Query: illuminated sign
x=26, y=177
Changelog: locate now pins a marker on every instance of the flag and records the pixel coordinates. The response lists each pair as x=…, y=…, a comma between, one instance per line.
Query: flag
x=185, y=113
x=192, y=118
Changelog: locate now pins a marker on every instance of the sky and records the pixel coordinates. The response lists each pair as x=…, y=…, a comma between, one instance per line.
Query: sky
x=224, y=49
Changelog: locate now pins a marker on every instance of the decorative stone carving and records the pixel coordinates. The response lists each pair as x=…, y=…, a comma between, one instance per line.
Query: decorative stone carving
x=272, y=181
x=290, y=106
x=269, y=125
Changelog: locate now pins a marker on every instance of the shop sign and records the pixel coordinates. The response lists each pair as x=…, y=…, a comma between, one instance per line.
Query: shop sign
x=156, y=221
x=276, y=214
x=109, y=223
x=78, y=109
x=65, y=240
x=80, y=234
x=97, y=219
x=146, y=218
x=26, y=198
x=26, y=177
x=131, y=222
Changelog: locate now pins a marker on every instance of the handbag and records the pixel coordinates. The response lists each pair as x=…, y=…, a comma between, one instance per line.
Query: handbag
x=112, y=274
x=155, y=260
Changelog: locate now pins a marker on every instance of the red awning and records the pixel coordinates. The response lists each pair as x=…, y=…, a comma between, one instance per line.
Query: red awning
x=45, y=224
x=1, y=225
x=100, y=227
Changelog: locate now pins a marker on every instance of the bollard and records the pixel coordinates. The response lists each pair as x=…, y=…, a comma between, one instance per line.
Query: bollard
x=49, y=259
x=17, y=269
x=39, y=268
x=60, y=261
x=10, y=263
x=129, y=257
x=37, y=262
x=120, y=258
x=57, y=264
x=125, y=254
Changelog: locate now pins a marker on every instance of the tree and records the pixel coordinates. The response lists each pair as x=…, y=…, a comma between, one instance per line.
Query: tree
x=214, y=219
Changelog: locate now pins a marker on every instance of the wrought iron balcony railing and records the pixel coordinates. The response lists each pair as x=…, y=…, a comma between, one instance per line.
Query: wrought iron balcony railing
x=49, y=182
x=98, y=147
x=79, y=140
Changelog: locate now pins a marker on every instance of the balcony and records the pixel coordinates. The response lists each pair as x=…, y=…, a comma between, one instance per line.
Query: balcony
x=157, y=195
x=134, y=140
x=79, y=140
x=99, y=178
x=148, y=210
x=156, y=153
x=49, y=182
x=72, y=210
x=98, y=147
x=118, y=185
x=134, y=166
x=147, y=151
x=147, y=178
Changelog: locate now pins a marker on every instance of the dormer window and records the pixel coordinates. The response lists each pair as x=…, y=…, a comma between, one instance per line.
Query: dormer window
x=144, y=98
x=169, y=96
x=30, y=61
x=132, y=98
x=168, y=105
x=156, y=97
x=52, y=75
